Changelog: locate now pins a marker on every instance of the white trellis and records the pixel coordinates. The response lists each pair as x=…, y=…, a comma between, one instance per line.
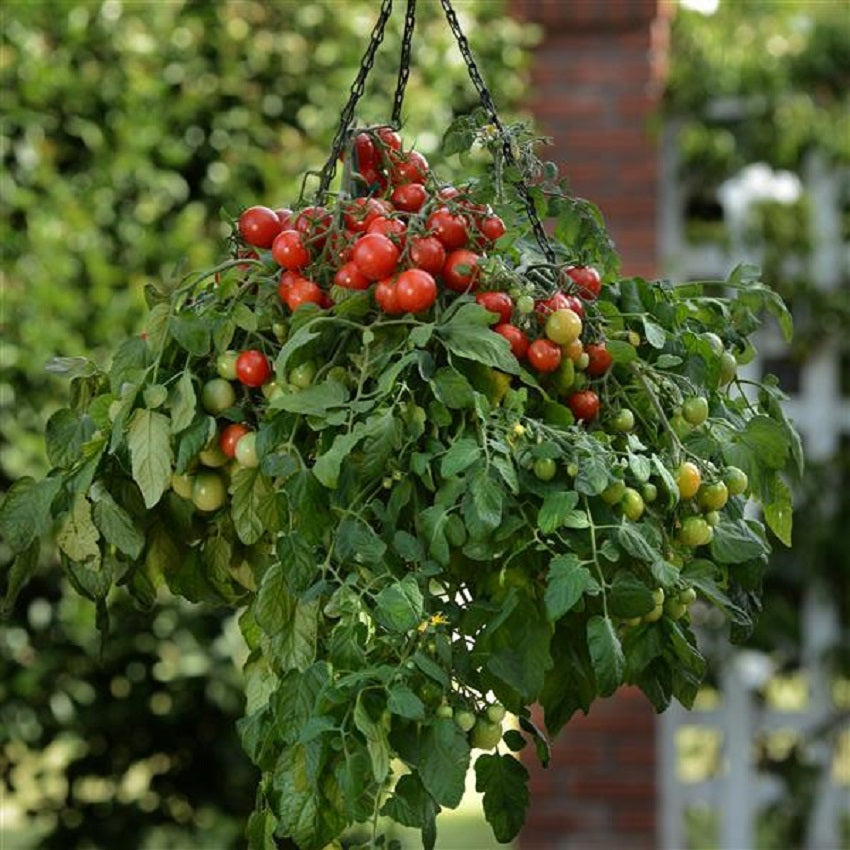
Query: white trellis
x=734, y=791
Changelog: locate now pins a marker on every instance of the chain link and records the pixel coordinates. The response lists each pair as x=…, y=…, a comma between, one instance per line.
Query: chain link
x=487, y=101
x=357, y=90
x=404, y=62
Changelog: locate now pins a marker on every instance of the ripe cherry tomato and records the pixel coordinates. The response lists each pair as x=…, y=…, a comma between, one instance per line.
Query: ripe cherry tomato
x=393, y=228
x=549, y=305
x=575, y=304
x=304, y=291
x=409, y=168
x=287, y=278
x=584, y=405
x=428, y=254
x=449, y=228
x=284, y=215
x=259, y=226
x=314, y=223
x=349, y=276
x=415, y=291
x=365, y=153
x=252, y=368
x=544, y=355
x=409, y=196
x=461, y=271
x=230, y=436
x=361, y=212
x=492, y=228
x=389, y=137
x=497, y=302
x=587, y=281
x=289, y=250
x=386, y=297
x=375, y=255
x=599, y=359
x=517, y=339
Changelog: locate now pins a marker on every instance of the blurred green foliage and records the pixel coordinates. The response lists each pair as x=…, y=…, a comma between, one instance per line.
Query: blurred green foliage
x=132, y=133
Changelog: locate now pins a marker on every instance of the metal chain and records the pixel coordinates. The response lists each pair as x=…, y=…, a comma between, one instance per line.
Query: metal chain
x=357, y=89
x=490, y=106
x=404, y=62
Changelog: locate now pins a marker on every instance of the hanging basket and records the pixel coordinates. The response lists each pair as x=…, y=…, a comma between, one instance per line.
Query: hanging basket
x=446, y=465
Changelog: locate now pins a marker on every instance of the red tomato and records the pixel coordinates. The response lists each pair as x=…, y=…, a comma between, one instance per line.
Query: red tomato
x=394, y=228
x=415, y=290
x=338, y=247
x=410, y=168
x=376, y=255
x=360, y=213
x=304, y=291
x=259, y=226
x=314, y=223
x=449, y=228
x=230, y=436
x=587, y=281
x=287, y=278
x=575, y=304
x=410, y=196
x=389, y=137
x=497, y=302
x=448, y=192
x=492, y=228
x=386, y=297
x=584, y=405
x=284, y=216
x=559, y=301
x=517, y=339
x=364, y=151
x=252, y=368
x=350, y=277
x=461, y=272
x=599, y=361
x=544, y=355
x=289, y=251
x=428, y=253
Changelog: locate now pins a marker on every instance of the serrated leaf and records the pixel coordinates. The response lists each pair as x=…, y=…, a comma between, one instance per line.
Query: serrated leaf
x=274, y=604
x=460, y=455
x=443, y=762
x=629, y=596
x=504, y=782
x=656, y=336
x=192, y=441
x=182, y=403
x=566, y=581
x=622, y=352
x=403, y=702
x=191, y=332
x=315, y=400
x=410, y=804
x=452, y=389
x=18, y=574
x=65, y=434
x=294, y=648
x=635, y=539
x=606, y=654
x=399, y=606
x=117, y=526
x=555, y=510
x=150, y=453
x=778, y=512
x=78, y=536
x=468, y=334
x=25, y=510
x=735, y=542
x=252, y=505
x=293, y=702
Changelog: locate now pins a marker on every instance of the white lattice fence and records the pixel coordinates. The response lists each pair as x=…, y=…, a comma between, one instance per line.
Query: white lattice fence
x=707, y=757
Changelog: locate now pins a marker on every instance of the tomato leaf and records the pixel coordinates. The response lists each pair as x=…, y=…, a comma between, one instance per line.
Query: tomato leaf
x=735, y=542
x=399, y=606
x=78, y=536
x=606, y=654
x=556, y=509
x=25, y=510
x=65, y=434
x=443, y=761
x=467, y=334
x=459, y=456
x=117, y=526
x=566, y=582
x=150, y=453
x=182, y=403
x=504, y=782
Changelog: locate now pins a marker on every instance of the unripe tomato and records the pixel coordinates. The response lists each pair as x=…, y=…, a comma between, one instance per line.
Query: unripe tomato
x=486, y=735
x=272, y=390
x=464, y=720
x=525, y=304
x=517, y=339
x=658, y=595
x=736, y=481
x=212, y=456
x=565, y=375
x=584, y=405
x=252, y=368
x=544, y=355
x=587, y=281
x=428, y=254
x=375, y=255
x=695, y=410
x=728, y=368
x=182, y=485
x=654, y=615
x=689, y=479
x=217, y=395
x=563, y=326
x=304, y=291
x=713, y=497
x=230, y=436
x=449, y=228
x=599, y=359
x=446, y=712
x=675, y=609
x=649, y=492
x=712, y=518
x=545, y=468
x=624, y=421
x=461, y=271
x=495, y=712
x=714, y=341
x=301, y=376
x=416, y=291
x=688, y=596
x=225, y=365
x=349, y=276
x=259, y=226
x=583, y=361
x=574, y=350
x=695, y=531
x=680, y=427
x=497, y=302
x=289, y=251
x=246, y=451
x=208, y=491
x=632, y=504
x=612, y=494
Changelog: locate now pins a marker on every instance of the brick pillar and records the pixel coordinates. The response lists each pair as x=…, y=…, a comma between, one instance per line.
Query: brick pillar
x=596, y=84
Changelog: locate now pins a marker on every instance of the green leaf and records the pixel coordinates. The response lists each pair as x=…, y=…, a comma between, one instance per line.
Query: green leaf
x=638, y=541
x=78, y=536
x=433, y=521
x=192, y=332
x=606, y=654
x=467, y=334
x=656, y=336
x=704, y=576
x=315, y=400
x=64, y=436
x=25, y=511
x=19, y=573
x=735, y=542
x=460, y=456
x=566, y=582
x=375, y=732
x=452, y=389
x=305, y=334
x=358, y=541
x=767, y=440
x=640, y=466
x=622, y=352
x=274, y=604
x=487, y=499
x=150, y=453
x=504, y=782
x=411, y=805
x=260, y=830
x=778, y=512
x=182, y=403
x=399, y=606
x=294, y=648
x=443, y=761
x=252, y=505
x=556, y=509
x=117, y=526
x=403, y=702
x=629, y=596
x=192, y=440
x=592, y=476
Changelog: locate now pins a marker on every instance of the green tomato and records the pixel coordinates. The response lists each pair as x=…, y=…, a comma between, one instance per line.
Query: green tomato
x=225, y=364
x=713, y=497
x=649, y=492
x=496, y=713
x=217, y=395
x=572, y=469
x=624, y=421
x=654, y=615
x=582, y=362
x=736, y=481
x=687, y=596
x=545, y=468
x=680, y=426
x=695, y=410
x=632, y=504
x=563, y=326
x=445, y=711
x=464, y=720
x=246, y=450
x=279, y=330
x=339, y=375
x=712, y=518
x=728, y=368
x=272, y=390
x=714, y=341
x=695, y=531
x=302, y=375
x=674, y=609
x=182, y=485
x=565, y=375
x=525, y=304
x=612, y=494
x=208, y=491
x=212, y=456
x=486, y=735
x=658, y=596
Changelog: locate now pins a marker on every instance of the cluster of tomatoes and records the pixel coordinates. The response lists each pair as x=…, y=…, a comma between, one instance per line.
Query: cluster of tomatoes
x=410, y=239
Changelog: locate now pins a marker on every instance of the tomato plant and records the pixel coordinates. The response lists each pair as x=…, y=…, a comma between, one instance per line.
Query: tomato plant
x=443, y=503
